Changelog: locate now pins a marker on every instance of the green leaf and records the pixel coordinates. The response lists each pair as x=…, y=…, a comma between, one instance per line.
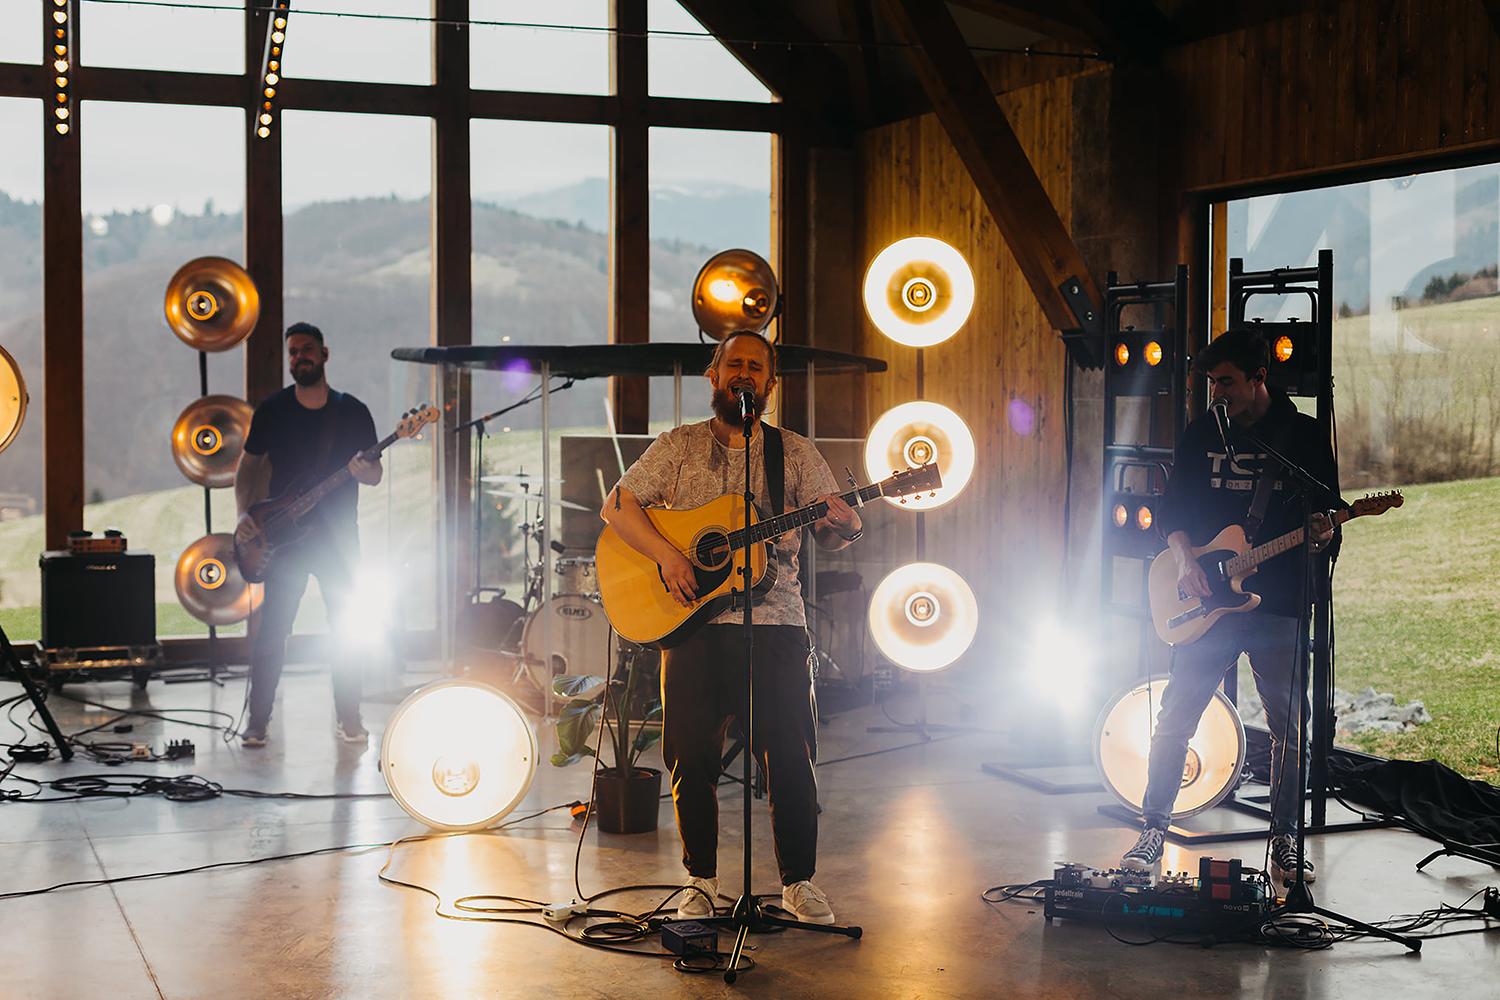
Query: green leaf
x=561, y=759
x=646, y=739
x=578, y=687
x=576, y=725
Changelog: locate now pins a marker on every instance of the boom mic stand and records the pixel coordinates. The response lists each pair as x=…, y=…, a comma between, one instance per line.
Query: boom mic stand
x=749, y=913
x=1299, y=898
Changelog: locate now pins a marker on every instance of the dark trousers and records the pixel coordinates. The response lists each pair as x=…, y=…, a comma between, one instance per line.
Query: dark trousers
x=1197, y=670
x=702, y=689
x=286, y=582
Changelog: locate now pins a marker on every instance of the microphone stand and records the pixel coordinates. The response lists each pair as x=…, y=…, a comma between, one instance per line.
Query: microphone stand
x=1299, y=898
x=749, y=914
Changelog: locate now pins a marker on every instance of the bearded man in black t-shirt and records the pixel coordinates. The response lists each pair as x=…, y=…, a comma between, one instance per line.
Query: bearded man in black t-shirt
x=298, y=437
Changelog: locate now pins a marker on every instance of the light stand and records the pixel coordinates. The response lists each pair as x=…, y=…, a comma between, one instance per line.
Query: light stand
x=9, y=661
x=749, y=914
x=1299, y=898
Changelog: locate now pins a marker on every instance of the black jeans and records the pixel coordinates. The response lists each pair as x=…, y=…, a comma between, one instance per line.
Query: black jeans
x=286, y=582
x=702, y=688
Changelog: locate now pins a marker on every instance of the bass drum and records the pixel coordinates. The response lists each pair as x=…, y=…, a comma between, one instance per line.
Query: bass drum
x=579, y=640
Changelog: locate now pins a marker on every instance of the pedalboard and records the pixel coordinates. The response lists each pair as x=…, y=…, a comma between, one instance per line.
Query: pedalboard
x=1223, y=898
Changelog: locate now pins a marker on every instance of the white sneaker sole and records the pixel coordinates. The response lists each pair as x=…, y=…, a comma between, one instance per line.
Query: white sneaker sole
x=805, y=918
x=1286, y=879
x=1137, y=865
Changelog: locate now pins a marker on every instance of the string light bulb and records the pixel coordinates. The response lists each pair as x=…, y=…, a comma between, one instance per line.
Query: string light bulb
x=270, y=67
x=62, y=64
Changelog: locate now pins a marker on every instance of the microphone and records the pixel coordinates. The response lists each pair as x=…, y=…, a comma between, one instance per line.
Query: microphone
x=747, y=404
x=1220, y=409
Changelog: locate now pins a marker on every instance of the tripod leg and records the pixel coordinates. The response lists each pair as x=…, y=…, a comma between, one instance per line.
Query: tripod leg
x=731, y=973
x=1414, y=944
x=38, y=702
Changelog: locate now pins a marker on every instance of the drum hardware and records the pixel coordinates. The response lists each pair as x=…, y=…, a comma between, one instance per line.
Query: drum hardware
x=529, y=497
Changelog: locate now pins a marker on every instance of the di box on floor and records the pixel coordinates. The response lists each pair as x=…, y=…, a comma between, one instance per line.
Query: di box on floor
x=98, y=599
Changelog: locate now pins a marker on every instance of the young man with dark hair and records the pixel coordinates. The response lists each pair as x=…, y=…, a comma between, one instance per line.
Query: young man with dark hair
x=297, y=437
x=1208, y=490
x=703, y=679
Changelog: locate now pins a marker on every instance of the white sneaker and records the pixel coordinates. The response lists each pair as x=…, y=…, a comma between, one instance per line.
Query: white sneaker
x=698, y=899
x=807, y=903
x=352, y=733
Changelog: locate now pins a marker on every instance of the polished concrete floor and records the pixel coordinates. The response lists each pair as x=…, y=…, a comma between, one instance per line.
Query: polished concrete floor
x=909, y=840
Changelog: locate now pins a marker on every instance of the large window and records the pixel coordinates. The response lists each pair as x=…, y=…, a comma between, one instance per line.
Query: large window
x=382, y=41
x=1416, y=365
x=21, y=41
x=358, y=257
x=175, y=37
x=145, y=215
x=684, y=60
x=21, y=335
x=560, y=47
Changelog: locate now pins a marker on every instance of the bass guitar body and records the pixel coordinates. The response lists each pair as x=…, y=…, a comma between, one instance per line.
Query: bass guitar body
x=635, y=596
x=273, y=532
x=1180, y=618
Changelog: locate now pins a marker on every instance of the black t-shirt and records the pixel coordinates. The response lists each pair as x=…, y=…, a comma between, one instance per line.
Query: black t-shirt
x=294, y=438
x=1207, y=491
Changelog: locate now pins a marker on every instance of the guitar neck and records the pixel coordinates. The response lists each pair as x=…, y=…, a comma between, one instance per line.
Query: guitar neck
x=1284, y=543
x=771, y=527
x=307, y=501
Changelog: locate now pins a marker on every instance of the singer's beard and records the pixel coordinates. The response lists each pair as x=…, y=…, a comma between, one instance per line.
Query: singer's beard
x=726, y=404
x=308, y=375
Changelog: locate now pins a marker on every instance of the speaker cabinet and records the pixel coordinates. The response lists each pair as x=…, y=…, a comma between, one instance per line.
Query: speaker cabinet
x=98, y=599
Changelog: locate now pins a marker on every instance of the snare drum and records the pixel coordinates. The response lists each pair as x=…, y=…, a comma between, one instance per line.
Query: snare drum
x=577, y=575
x=579, y=640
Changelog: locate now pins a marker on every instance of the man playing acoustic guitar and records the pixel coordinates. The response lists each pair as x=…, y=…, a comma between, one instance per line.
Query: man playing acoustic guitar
x=703, y=681
x=297, y=436
x=1209, y=489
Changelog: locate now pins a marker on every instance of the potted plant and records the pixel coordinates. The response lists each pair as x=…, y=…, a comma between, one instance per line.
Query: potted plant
x=626, y=796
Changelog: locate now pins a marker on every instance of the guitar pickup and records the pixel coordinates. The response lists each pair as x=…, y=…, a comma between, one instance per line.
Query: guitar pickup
x=1187, y=616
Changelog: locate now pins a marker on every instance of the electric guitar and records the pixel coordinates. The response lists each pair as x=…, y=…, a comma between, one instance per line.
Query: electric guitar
x=1227, y=561
x=277, y=522
x=713, y=537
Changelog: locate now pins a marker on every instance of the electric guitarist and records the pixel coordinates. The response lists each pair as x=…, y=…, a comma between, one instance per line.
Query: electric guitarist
x=1209, y=489
x=703, y=679
x=301, y=433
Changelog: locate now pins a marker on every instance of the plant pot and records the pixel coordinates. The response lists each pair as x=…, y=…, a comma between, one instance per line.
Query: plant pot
x=627, y=804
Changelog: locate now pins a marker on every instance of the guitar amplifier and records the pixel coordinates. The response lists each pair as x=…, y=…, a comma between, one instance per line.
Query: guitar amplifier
x=98, y=599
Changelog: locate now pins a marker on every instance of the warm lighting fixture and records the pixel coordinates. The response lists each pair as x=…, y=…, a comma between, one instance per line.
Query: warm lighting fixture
x=208, y=437
x=735, y=290
x=1282, y=349
x=1122, y=746
x=61, y=37
x=12, y=399
x=458, y=755
x=923, y=616
x=211, y=304
x=1121, y=515
x=209, y=584
x=1153, y=353
x=270, y=67
x=914, y=434
x=919, y=291
x=1122, y=354
x=1143, y=518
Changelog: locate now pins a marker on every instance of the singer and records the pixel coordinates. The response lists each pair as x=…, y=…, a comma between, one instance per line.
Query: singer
x=703, y=680
x=1213, y=484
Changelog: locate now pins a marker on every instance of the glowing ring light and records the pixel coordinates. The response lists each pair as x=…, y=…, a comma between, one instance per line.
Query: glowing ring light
x=209, y=584
x=1122, y=747
x=913, y=434
x=923, y=616
x=458, y=755
x=919, y=291
x=13, y=399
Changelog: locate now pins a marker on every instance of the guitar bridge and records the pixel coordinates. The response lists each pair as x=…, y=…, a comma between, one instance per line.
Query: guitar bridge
x=1187, y=616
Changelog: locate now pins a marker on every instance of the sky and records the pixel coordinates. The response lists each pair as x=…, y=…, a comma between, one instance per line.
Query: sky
x=134, y=154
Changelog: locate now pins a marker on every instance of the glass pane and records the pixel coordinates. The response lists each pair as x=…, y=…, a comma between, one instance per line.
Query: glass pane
x=563, y=57
x=356, y=193
x=541, y=276
x=134, y=36
x=146, y=213
x=21, y=534
x=710, y=191
x=380, y=41
x=1416, y=366
x=684, y=60
x=21, y=41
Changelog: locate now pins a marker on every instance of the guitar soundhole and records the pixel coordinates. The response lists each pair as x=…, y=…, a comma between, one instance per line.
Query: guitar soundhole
x=711, y=550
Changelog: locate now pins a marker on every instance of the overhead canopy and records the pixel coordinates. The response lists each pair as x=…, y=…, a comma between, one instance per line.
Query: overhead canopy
x=604, y=360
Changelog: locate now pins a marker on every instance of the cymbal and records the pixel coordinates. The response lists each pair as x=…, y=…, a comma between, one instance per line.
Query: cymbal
x=209, y=584
x=536, y=498
x=517, y=479
x=211, y=304
x=208, y=437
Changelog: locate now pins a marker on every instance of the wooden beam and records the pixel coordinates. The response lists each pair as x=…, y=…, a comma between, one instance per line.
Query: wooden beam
x=630, y=211
x=18, y=80
x=866, y=87
x=995, y=159
x=62, y=327
x=742, y=116
x=1065, y=20
x=263, y=235
x=1492, y=8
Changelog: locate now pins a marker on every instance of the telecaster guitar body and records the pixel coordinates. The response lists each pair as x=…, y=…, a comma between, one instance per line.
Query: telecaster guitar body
x=1181, y=619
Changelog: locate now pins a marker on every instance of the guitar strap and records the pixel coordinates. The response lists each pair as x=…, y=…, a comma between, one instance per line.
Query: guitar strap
x=1265, y=485
x=326, y=434
x=773, y=455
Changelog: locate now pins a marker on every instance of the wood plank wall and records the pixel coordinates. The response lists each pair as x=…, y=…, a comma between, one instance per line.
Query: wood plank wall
x=1004, y=533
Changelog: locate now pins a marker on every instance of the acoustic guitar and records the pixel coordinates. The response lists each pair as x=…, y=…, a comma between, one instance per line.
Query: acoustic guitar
x=713, y=537
x=279, y=521
x=1227, y=561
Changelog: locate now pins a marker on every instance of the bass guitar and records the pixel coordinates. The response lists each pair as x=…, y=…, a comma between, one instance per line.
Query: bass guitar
x=278, y=522
x=1227, y=561
x=712, y=536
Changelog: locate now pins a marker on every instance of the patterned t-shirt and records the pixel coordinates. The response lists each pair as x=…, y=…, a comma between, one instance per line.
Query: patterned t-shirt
x=688, y=467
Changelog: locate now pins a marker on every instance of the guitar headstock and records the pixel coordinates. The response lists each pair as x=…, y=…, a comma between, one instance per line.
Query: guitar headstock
x=414, y=419
x=918, y=480
x=1375, y=504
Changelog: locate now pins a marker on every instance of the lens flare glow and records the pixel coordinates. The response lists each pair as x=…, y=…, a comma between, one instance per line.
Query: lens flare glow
x=918, y=291
x=923, y=616
x=458, y=755
x=916, y=433
x=1282, y=349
